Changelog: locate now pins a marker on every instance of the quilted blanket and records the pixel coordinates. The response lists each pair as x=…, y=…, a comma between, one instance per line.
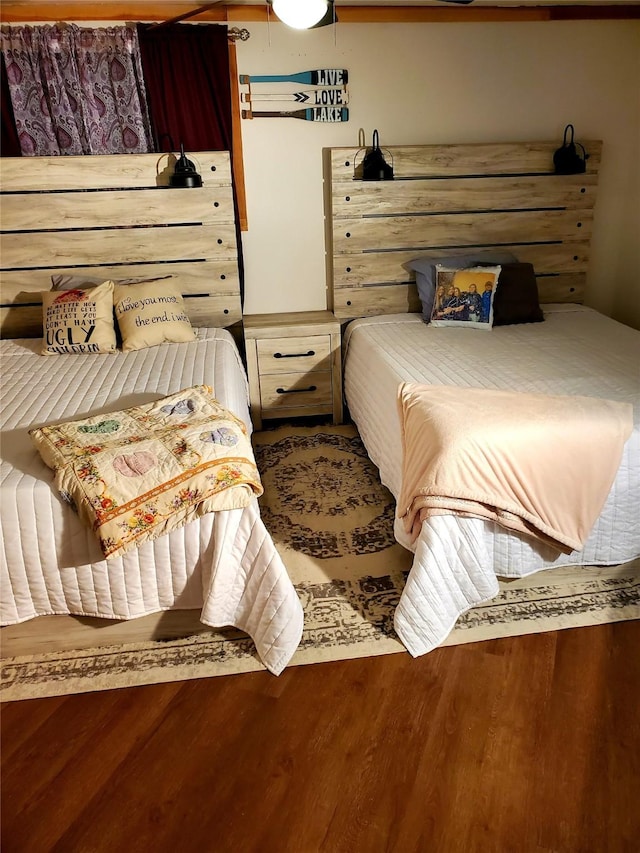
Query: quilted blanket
x=138, y=473
x=537, y=464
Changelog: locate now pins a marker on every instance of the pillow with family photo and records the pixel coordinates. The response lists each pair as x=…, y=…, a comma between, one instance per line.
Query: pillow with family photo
x=464, y=297
x=424, y=268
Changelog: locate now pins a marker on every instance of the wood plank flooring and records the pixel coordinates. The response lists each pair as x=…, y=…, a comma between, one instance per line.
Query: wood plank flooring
x=529, y=744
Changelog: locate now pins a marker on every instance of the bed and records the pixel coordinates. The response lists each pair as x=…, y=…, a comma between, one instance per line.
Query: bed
x=448, y=201
x=115, y=218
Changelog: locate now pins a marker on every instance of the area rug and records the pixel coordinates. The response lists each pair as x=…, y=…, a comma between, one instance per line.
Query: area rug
x=332, y=522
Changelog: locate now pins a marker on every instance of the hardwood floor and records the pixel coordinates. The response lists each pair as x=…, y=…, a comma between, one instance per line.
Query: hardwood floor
x=523, y=744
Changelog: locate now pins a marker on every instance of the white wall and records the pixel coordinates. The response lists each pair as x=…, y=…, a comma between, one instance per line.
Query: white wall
x=448, y=83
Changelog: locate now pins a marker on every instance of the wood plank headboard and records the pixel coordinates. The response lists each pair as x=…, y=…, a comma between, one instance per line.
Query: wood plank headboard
x=115, y=216
x=446, y=199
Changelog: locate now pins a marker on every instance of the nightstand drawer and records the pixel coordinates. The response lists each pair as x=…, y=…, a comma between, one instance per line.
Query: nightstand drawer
x=294, y=354
x=293, y=365
x=289, y=390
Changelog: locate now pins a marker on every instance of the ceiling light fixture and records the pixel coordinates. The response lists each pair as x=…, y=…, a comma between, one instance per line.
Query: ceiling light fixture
x=301, y=14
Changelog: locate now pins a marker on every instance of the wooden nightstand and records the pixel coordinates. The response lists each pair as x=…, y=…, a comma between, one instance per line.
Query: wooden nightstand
x=294, y=365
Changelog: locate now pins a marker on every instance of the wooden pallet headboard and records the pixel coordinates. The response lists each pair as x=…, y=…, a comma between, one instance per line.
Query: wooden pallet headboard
x=115, y=216
x=446, y=199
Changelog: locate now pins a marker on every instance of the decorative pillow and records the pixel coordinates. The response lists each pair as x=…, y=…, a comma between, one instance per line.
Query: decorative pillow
x=73, y=282
x=464, y=297
x=425, y=270
x=151, y=314
x=78, y=321
x=516, y=299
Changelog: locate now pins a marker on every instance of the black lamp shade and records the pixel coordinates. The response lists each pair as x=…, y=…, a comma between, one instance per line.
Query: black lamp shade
x=185, y=174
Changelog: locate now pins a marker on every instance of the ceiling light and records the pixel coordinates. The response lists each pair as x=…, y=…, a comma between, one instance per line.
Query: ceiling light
x=300, y=14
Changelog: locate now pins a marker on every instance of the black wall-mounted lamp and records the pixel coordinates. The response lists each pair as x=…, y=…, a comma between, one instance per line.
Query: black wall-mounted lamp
x=373, y=166
x=185, y=174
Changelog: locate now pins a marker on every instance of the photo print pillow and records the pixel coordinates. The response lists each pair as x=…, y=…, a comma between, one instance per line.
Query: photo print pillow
x=424, y=267
x=78, y=321
x=464, y=297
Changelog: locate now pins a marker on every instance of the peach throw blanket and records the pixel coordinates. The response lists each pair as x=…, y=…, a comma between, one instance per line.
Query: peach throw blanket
x=534, y=463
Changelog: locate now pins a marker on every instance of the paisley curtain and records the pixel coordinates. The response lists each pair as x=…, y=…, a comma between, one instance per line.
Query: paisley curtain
x=9, y=142
x=77, y=90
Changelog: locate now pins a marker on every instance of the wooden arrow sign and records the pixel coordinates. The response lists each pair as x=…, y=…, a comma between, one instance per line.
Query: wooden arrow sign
x=310, y=114
x=322, y=97
x=318, y=77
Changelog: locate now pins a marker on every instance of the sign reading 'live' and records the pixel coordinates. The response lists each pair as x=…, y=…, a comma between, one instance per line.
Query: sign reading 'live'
x=317, y=77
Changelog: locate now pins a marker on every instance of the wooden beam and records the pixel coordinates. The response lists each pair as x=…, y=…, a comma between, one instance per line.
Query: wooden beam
x=25, y=11
x=237, y=159
x=185, y=15
x=595, y=13
x=407, y=14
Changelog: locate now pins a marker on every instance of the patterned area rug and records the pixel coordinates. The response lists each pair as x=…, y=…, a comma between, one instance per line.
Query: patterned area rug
x=332, y=522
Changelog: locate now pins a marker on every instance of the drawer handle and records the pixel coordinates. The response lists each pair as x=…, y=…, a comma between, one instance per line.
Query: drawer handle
x=294, y=354
x=296, y=390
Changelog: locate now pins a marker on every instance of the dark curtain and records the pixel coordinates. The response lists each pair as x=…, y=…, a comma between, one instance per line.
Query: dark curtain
x=9, y=142
x=186, y=74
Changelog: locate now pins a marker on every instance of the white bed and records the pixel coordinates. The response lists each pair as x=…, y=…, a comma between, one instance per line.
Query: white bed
x=463, y=199
x=576, y=351
x=116, y=217
x=224, y=563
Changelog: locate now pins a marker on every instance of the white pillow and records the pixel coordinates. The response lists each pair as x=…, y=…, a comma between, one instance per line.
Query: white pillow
x=151, y=314
x=78, y=321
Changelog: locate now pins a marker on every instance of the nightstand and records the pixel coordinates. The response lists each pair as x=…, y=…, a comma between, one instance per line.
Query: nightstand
x=294, y=365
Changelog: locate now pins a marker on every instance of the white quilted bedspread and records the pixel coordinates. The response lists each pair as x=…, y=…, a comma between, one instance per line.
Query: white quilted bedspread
x=225, y=563
x=458, y=560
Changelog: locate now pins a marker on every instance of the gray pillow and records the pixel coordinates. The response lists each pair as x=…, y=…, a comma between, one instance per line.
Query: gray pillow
x=424, y=267
x=84, y=282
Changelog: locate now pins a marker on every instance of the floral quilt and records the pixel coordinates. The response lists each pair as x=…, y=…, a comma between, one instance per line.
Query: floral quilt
x=136, y=474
